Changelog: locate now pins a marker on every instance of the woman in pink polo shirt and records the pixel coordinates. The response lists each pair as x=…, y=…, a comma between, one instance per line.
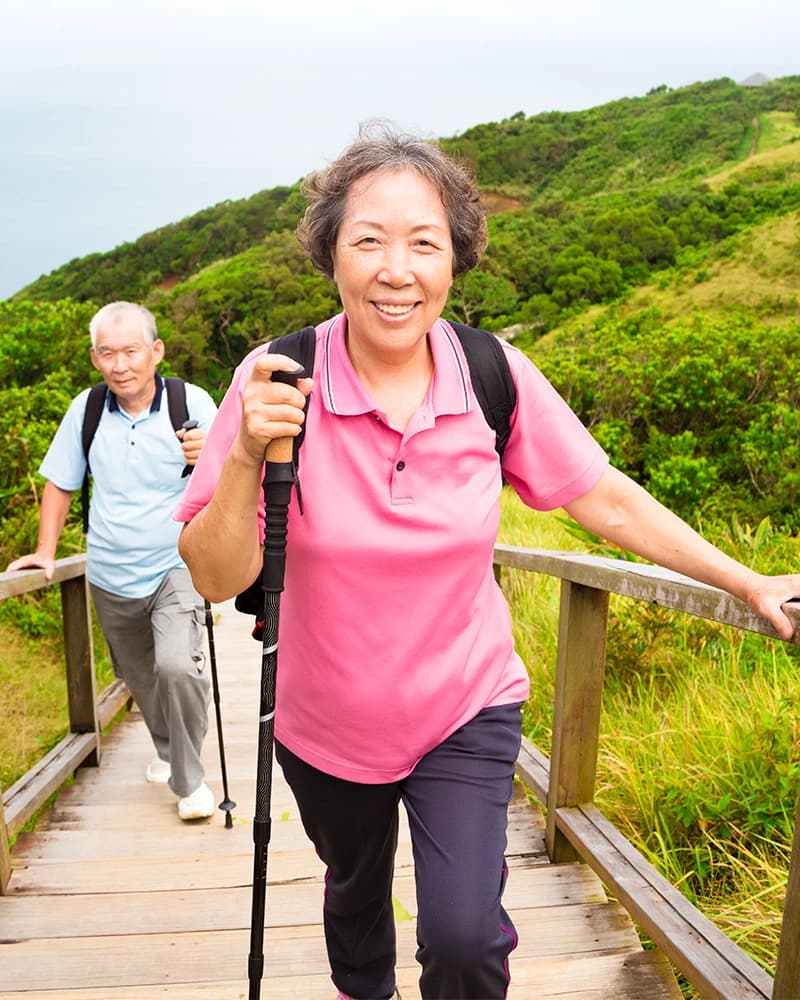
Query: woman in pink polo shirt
x=398, y=677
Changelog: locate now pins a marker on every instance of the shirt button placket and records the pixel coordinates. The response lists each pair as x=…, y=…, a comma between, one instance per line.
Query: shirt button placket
x=400, y=487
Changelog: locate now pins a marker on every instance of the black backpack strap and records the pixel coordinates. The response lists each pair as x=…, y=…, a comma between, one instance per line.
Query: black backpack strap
x=300, y=346
x=175, y=389
x=176, y=401
x=95, y=404
x=491, y=379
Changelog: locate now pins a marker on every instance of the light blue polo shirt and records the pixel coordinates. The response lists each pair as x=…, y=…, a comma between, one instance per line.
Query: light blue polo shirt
x=136, y=483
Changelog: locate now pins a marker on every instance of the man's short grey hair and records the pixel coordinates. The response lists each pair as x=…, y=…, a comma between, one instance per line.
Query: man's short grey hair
x=109, y=311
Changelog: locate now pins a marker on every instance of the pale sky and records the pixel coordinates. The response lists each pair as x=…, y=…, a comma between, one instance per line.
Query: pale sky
x=119, y=116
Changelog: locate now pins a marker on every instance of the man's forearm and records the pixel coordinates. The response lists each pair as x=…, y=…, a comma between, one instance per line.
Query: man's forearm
x=52, y=516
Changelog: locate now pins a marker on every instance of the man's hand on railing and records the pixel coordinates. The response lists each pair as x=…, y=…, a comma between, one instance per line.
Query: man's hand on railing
x=34, y=560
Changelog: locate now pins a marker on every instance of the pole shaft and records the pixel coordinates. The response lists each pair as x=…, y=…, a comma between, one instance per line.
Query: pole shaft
x=278, y=482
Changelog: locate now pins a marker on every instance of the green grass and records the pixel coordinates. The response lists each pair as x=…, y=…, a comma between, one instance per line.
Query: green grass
x=34, y=713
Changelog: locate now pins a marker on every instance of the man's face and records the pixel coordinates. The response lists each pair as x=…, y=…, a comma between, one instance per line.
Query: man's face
x=127, y=361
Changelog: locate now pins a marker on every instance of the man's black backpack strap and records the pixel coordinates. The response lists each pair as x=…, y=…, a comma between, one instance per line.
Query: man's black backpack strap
x=491, y=379
x=178, y=410
x=96, y=404
x=176, y=401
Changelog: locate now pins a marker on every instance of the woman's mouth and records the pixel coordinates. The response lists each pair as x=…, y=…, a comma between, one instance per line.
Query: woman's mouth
x=389, y=309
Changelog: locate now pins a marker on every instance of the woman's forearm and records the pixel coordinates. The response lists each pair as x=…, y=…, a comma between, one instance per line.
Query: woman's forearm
x=221, y=545
x=622, y=512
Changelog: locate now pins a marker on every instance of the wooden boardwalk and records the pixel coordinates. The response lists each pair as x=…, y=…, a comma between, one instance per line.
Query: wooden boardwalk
x=113, y=898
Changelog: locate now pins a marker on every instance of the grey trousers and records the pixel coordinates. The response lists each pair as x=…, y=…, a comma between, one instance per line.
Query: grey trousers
x=157, y=647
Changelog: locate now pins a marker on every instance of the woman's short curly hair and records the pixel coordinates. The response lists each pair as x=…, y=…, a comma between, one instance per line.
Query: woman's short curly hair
x=379, y=147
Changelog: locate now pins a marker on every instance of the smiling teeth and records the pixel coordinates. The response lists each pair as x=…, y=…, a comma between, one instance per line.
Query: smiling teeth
x=394, y=310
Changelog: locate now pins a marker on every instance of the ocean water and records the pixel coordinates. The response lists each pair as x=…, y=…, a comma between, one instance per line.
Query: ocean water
x=76, y=180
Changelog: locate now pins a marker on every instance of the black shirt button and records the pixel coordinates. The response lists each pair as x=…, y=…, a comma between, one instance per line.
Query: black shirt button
x=400, y=466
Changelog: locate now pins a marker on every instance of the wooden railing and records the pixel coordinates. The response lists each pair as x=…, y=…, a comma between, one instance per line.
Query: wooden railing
x=576, y=829
x=88, y=714
x=717, y=968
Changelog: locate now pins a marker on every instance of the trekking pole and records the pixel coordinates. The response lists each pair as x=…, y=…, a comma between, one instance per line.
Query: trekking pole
x=227, y=804
x=279, y=477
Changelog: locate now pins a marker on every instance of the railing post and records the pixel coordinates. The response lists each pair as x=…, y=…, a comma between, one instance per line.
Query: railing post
x=787, y=970
x=79, y=656
x=582, y=626
x=5, y=856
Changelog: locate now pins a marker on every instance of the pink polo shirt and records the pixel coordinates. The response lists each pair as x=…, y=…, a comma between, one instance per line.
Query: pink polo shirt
x=393, y=631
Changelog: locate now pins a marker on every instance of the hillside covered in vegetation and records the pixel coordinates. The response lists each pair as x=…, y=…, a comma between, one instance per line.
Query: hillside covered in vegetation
x=643, y=252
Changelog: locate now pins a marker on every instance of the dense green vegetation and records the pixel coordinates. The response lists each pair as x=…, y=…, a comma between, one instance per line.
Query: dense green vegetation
x=644, y=253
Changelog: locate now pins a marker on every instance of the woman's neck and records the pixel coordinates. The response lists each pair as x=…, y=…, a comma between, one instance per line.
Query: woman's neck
x=398, y=387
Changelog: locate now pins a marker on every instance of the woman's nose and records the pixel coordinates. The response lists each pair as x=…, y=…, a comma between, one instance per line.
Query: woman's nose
x=396, y=267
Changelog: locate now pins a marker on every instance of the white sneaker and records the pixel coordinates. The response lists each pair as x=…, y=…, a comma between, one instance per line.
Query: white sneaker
x=198, y=805
x=158, y=771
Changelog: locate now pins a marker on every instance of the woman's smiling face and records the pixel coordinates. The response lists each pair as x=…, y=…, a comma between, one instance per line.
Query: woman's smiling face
x=393, y=262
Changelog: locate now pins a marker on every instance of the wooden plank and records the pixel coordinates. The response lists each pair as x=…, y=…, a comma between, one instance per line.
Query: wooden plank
x=92, y=962
x=181, y=872
x=111, y=701
x=642, y=975
x=578, y=703
x=288, y=904
x=33, y=789
x=533, y=767
x=712, y=963
x=634, y=976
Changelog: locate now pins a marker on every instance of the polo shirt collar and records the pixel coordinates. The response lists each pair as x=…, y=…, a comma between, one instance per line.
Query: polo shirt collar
x=155, y=406
x=343, y=393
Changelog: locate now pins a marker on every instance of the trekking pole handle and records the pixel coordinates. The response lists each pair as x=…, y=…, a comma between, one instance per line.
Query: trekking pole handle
x=188, y=425
x=282, y=449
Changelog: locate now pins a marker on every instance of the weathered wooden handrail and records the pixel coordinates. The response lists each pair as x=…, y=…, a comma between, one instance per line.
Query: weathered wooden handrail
x=88, y=715
x=719, y=969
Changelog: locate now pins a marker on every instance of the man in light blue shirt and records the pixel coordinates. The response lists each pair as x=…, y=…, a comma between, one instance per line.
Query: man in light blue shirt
x=151, y=616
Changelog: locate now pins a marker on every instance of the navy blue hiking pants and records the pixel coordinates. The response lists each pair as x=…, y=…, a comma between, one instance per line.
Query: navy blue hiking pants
x=457, y=802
